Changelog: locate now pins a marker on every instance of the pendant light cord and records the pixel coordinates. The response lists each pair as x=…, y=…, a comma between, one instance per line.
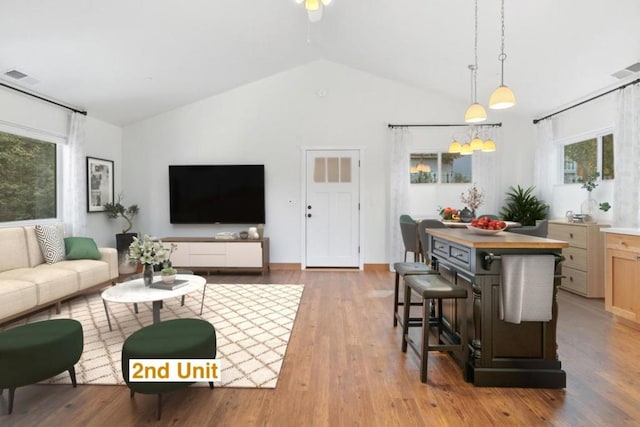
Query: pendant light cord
x=475, y=49
x=502, y=55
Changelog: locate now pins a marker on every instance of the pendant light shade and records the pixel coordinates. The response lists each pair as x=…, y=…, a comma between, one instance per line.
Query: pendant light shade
x=455, y=147
x=488, y=146
x=476, y=144
x=475, y=113
x=466, y=150
x=502, y=98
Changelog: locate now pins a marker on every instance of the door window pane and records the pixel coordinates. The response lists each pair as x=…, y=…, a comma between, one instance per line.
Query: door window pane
x=319, y=170
x=333, y=170
x=345, y=169
x=27, y=178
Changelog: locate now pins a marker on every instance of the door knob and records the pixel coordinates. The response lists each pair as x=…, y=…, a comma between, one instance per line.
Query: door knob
x=309, y=207
x=308, y=215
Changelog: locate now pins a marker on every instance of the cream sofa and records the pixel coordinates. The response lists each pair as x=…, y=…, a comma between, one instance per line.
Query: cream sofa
x=27, y=283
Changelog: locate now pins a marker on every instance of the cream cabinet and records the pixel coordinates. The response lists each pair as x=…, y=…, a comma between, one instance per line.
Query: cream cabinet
x=209, y=254
x=583, y=265
x=622, y=284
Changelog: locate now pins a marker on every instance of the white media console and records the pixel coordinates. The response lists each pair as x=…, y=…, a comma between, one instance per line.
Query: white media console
x=222, y=255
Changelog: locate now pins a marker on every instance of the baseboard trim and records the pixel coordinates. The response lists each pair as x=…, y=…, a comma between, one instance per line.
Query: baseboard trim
x=285, y=266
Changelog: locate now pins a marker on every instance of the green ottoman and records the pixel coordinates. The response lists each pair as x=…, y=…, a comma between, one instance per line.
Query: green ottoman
x=172, y=339
x=37, y=351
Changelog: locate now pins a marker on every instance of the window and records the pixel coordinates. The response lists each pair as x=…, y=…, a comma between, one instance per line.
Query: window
x=584, y=158
x=443, y=168
x=27, y=178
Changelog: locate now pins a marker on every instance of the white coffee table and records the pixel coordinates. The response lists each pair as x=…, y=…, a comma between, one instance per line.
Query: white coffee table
x=134, y=291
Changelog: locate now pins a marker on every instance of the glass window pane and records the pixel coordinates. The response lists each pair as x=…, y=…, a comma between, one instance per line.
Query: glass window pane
x=27, y=178
x=424, y=168
x=580, y=160
x=345, y=169
x=333, y=171
x=456, y=168
x=319, y=170
x=607, y=157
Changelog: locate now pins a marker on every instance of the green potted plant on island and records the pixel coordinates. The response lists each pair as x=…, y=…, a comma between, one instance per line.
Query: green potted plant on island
x=124, y=239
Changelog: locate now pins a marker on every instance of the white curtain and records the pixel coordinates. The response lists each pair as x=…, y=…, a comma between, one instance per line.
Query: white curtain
x=626, y=146
x=74, y=191
x=484, y=177
x=399, y=188
x=546, y=161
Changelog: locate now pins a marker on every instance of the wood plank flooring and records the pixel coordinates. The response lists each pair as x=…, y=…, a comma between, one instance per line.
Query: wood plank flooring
x=344, y=367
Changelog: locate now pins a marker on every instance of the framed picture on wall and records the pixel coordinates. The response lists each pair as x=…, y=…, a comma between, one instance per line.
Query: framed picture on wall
x=99, y=183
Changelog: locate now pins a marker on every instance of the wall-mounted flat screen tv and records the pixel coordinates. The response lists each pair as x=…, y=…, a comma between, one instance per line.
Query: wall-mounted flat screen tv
x=210, y=194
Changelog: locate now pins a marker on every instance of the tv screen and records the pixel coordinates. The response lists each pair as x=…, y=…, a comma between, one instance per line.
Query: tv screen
x=209, y=194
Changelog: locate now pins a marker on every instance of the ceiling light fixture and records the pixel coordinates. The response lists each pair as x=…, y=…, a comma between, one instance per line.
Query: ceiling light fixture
x=476, y=112
x=471, y=141
x=314, y=8
x=502, y=97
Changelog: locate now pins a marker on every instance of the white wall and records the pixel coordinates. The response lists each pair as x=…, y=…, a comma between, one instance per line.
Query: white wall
x=104, y=141
x=270, y=121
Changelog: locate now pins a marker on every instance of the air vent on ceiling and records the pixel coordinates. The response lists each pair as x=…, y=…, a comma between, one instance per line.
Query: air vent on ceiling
x=627, y=71
x=19, y=76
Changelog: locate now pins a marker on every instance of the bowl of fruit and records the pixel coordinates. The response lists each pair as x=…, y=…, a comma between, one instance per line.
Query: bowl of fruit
x=449, y=214
x=486, y=225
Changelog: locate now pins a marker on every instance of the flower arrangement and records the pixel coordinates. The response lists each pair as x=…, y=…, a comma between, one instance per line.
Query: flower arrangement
x=590, y=182
x=473, y=199
x=147, y=250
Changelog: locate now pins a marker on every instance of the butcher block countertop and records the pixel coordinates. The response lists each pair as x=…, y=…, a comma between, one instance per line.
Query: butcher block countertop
x=501, y=240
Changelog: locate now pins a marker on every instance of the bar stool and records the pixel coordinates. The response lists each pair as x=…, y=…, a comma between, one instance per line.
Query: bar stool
x=436, y=288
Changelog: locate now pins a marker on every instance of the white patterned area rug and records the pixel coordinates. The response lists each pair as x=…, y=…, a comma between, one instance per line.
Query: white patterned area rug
x=253, y=324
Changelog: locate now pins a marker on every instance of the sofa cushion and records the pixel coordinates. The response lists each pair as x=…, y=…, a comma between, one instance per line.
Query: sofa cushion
x=81, y=248
x=51, y=243
x=13, y=249
x=52, y=283
x=16, y=296
x=89, y=272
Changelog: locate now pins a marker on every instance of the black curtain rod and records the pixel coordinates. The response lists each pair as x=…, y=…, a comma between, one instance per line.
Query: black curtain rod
x=535, y=121
x=446, y=125
x=44, y=99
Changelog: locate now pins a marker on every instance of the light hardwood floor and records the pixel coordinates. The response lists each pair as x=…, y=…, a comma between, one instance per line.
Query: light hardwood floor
x=344, y=367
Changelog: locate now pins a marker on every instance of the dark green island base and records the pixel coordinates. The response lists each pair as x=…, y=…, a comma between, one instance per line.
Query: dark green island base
x=501, y=354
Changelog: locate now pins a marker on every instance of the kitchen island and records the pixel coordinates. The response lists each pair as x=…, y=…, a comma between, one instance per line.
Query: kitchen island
x=502, y=354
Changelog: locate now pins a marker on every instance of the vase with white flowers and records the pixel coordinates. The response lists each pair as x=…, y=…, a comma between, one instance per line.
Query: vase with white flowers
x=149, y=252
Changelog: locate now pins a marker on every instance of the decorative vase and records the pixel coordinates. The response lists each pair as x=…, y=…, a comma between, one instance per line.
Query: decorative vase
x=590, y=208
x=466, y=215
x=260, y=231
x=147, y=274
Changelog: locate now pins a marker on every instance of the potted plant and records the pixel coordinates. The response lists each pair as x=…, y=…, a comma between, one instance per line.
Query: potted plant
x=524, y=207
x=168, y=273
x=124, y=239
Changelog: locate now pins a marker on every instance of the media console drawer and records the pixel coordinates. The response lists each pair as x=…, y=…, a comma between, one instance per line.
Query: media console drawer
x=209, y=253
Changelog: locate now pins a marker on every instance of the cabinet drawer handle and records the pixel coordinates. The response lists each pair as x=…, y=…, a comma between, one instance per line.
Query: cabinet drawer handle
x=571, y=235
x=623, y=243
x=571, y=278
x=571, y=257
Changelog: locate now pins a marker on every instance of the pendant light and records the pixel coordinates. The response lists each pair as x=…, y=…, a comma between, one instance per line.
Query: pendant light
x=502, y=97
x=314, y=8
x=476, y=112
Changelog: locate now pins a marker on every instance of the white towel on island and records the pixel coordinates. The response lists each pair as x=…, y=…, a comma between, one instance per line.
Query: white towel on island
x=526, y=288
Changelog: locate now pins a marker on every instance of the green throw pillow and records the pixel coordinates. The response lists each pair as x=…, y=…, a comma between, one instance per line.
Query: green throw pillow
x=81, y=248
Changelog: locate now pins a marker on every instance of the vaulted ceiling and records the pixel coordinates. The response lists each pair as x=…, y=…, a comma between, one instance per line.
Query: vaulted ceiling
x=125, y=60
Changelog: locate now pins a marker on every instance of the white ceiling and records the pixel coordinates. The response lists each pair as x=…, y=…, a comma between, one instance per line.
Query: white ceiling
x=125, y=60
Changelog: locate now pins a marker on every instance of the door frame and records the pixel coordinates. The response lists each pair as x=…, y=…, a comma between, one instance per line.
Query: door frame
x=303, y=198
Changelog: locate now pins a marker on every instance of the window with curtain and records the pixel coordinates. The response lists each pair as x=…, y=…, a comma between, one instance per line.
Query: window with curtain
x=28, y=178
x=584, y=159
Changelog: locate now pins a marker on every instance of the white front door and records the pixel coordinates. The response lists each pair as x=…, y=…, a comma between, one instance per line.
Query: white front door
x=332, y=208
